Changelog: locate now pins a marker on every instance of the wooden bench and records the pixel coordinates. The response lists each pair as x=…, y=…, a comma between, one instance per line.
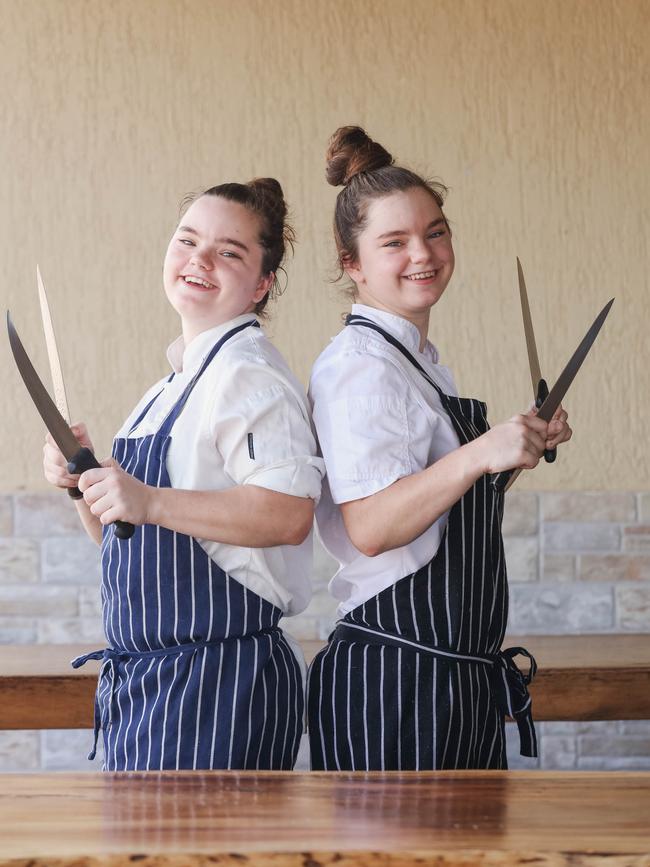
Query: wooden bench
x=293, y=819
x=580, y=677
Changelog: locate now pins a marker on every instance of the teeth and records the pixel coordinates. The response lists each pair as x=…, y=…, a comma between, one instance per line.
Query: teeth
x=424, y=275
x=198, y=281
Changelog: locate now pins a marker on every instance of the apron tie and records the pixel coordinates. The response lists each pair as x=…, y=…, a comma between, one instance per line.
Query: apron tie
x=511, y=687
x=111, y=657
x=509, y=683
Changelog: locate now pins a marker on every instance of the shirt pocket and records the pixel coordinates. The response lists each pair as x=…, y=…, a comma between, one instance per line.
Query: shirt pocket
x=369, y=439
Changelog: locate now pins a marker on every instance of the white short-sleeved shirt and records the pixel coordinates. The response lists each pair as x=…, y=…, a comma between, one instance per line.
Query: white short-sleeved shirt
x=246, y=422
x=377, y=420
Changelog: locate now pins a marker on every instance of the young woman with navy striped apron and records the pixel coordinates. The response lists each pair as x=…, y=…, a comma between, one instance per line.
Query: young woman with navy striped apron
x=198, y=673
x=413, y=676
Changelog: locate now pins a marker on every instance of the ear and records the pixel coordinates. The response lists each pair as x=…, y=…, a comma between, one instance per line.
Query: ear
x=353, y=270
x=266, y=281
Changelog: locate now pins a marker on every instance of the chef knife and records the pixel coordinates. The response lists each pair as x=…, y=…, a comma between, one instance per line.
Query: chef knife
x=79, y=458
x=56, y=372
x=540, y=388
x=567, y=376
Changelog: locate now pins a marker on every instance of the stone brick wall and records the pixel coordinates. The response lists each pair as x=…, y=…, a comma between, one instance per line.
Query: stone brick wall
x=577, y=562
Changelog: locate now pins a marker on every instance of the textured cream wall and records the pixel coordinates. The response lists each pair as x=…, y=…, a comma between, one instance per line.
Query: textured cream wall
x=534, y=113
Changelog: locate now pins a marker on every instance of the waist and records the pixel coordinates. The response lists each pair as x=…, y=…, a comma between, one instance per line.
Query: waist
x=367, y=635
x=116, y=654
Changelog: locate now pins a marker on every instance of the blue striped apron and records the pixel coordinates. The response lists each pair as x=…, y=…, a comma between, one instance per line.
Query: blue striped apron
x=414, y=678
x=198, y=673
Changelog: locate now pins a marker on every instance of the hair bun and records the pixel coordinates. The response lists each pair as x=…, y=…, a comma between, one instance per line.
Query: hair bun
x=270, y=192
x=349, y=152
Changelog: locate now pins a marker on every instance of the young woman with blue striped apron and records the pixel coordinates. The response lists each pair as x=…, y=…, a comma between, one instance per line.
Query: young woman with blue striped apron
x=198, y=673
x=413, y=676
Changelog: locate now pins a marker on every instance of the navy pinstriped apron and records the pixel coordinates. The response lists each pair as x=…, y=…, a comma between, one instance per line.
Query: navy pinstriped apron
x=414, y=679
x=198, y=674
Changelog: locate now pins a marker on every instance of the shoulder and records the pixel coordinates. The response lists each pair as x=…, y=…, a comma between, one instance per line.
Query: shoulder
x=357, y=361
x=250, y=365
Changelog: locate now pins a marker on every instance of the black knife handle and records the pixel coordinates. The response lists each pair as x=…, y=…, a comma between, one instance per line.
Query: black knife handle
x=542, y=394
x=85, y=460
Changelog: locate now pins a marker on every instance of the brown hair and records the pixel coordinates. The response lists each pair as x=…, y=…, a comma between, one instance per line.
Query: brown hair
x=264, y=197
x=367, y=171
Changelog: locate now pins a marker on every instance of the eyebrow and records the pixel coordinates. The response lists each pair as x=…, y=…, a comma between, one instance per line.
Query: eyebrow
x=232, y=241
x=439, y=221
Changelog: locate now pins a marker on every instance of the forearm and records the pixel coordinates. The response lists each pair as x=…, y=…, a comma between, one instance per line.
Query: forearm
x=246, y=515
x=91, y=524
x=403, y=511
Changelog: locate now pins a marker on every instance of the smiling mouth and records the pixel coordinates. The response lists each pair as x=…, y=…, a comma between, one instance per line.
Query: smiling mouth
x=197, y=281
x=422, y=275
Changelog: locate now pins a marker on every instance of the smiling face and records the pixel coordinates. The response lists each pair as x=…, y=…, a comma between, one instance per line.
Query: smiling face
x=213, y=266
x=405, y=256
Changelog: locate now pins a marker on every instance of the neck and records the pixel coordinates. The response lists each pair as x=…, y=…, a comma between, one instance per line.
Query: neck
x=420, y=320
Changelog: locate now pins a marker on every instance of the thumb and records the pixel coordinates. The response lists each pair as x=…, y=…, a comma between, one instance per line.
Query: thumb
x=109, y=462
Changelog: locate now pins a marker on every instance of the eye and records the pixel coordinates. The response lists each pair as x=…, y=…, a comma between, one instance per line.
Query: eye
x=437, y=234
x=187, y=241
x=229, y=254
x=393, y=244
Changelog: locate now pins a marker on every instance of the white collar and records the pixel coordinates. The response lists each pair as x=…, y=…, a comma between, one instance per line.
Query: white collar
x=182, y=357
x=407, y=333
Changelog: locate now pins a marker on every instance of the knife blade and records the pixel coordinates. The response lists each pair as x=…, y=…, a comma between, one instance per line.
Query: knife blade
x=60, y=397
x=540, y=388
x=567, y=376
x=79, y=458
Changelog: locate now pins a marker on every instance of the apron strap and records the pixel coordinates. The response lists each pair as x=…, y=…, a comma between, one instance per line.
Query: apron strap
x=176, y=410
x=497, y=480
x=509, y=683
x=111, y=657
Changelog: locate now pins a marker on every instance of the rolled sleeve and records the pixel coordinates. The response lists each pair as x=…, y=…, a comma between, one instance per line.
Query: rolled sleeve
x=263, y=433
x=362, y=424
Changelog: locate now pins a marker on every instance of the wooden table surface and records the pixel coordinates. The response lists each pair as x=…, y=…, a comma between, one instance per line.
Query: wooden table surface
x=497, y=818
x=580, y=677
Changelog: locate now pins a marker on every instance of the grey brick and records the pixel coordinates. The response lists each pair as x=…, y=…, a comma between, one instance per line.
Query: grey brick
x=557, y=727
x=67, y=750
x=19, y=561
x=603, y=729
x=581, y=537
x=637, y=539
x=71, y=560
x=558, y=568
x=555, y=609
x=6, y=515
x=638, y=727
x=644, y=508
x=517, y=762
x=90, y=602
x=608, y=763
x=578, y=506
x=521, y=514
x=633, y=608
x=521, y=558
x=17, y=630
x=19, y=751
x=614, y=747
x=37, y=600
x=558, y=752
x=614, y=567
x=45, y=515
x=69, y=631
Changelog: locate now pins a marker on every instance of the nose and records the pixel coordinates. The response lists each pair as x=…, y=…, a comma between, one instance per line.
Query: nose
x=419, y=251
x=200, y=258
